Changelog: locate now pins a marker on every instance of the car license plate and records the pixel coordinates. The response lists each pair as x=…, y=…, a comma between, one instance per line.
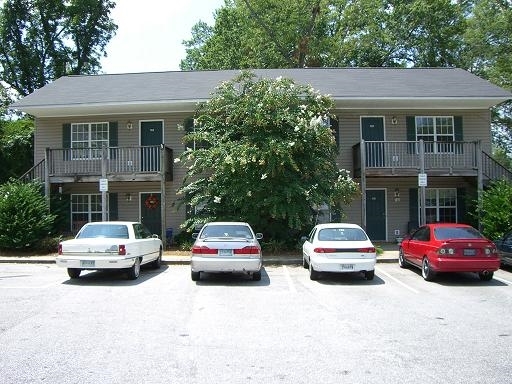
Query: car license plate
x=225, y=252
x=469, y=252
x=87, y=263
x=347, y=267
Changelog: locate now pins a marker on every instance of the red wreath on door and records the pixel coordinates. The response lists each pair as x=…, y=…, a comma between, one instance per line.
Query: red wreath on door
x=151, y=202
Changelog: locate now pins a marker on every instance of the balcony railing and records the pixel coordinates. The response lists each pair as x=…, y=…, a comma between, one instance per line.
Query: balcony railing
x=403, y=157
x=83, y=162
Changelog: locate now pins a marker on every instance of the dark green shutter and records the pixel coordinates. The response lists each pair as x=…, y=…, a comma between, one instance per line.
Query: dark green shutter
x=188, y=124
x=459, y=135
x=113, y=138
x=410, y=123
x=66, y=141
x=461, y=205
x=113, y=210
x=413, y=210
x=335, y=127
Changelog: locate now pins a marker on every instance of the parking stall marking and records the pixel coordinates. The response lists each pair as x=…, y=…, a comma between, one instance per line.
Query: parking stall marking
x=289, y=280
x=380, y=271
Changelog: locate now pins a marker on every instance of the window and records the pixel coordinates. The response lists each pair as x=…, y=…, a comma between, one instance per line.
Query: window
x=87, y=139
x=437, y=132
x=85, y=208
x=441, y=205
x=190, y=128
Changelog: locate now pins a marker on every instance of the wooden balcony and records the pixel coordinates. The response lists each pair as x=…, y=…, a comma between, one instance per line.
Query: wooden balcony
x=407, y=158
x=144, y=163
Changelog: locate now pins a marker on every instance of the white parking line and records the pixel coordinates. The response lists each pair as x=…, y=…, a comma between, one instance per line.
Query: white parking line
x=502, y=280
x=380, y=271
x=291, y=285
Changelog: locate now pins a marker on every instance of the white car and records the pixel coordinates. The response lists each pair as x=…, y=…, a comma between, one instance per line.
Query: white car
x=338, y=247
x=226, y=247
x=122, y=245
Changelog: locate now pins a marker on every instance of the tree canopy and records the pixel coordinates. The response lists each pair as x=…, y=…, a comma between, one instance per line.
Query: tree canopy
x=41, y=40
x=263, y=152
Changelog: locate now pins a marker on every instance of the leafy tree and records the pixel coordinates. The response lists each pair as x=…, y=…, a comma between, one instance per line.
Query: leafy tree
x=495, y=211
x=16, y=150
x=41, y=40
x=25, y=217
x=266, y=156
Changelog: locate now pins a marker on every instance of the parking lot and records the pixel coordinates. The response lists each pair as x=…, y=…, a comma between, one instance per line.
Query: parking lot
x=285, y=328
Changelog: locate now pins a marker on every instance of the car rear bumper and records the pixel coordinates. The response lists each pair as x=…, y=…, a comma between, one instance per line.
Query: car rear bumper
x=107, y=262
x=464, y=265
x=322, y=264
x=216, y=264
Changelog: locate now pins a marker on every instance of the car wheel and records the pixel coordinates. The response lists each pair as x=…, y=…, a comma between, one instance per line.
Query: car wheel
x=256, y=276
x=74, y=273
x=304, y=262
x=313, y=275
x=401, y=260
x=158, y=262
x=134, y=270
x=486, y=276
x=369, y=275
x=426, y=271
x=195, y=275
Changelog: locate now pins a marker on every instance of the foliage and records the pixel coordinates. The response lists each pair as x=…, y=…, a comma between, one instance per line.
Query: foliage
x=495, y=211
x=25, y=217
x=267, y=157
x=16, y=150
x=41, y=40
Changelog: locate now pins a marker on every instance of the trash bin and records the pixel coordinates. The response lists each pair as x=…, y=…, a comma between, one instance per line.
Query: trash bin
x=168, y=236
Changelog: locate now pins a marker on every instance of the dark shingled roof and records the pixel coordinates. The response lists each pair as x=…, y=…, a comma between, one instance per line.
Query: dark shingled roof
x=182, y=87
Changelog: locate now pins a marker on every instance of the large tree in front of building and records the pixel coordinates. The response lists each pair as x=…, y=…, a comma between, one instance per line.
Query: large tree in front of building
x=41, y=40
x=263, y=152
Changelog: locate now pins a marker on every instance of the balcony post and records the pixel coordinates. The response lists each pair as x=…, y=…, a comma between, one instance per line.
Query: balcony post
x=47, y=174
x=104, y=154
x=363, y=184
x=163, y=199
x=423, y=210
x=480, y=178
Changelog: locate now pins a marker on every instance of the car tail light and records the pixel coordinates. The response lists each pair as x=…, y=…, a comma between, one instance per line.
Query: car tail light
x=121, y=250
x=366, y=250
x=60, y=249
x=249, y=250
x=446, y=251
x=324, y=250
x=490, y=251
x=204, y=250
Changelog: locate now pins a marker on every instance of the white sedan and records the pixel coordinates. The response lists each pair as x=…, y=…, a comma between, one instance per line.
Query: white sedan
x=338, y=247
x=122, y=245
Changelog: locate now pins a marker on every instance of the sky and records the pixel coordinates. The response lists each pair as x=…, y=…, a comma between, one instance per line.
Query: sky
x=150, y=33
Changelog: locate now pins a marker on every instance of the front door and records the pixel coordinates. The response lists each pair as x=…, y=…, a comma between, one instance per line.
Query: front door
x=151, y=137
x=372, y=131
x=376, y=214
x=150, y=212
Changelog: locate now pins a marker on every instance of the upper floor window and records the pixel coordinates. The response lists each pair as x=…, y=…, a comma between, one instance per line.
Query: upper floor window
x=437, y=132
x=87, y=140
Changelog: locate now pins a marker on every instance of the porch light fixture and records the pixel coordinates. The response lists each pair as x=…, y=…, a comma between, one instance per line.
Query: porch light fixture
x=394, y=120
x=129, y=125
x=128, y=197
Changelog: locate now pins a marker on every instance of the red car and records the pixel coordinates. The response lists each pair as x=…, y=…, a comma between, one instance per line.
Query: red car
x=449, y=247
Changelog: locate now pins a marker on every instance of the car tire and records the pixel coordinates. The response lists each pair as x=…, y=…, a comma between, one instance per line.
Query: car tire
x=426, y=271
x=313, y=275
x=486, y=276
x=402, y=263
x=74, y=273
x=158, y=262
x=195, y=276
x=304, y=262
x=256, y=276
x=369, y=275
x=134, y=270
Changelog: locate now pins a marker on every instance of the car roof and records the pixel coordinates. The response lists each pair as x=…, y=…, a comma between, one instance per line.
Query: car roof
x=112, y=222
x=227, y=223
x=337, y=225
x=439, y=225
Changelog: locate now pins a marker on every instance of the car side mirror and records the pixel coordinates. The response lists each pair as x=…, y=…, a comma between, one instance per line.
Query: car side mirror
x=303, y=239
x=259, y=236
x=155, y=236
x=194, y=235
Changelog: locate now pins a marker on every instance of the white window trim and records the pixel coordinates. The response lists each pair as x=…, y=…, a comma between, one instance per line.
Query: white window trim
x=89, y=146
x=437, y=206
x=436, y=134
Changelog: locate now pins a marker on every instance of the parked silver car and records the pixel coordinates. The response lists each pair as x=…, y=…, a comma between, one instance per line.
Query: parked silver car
x=226, y=247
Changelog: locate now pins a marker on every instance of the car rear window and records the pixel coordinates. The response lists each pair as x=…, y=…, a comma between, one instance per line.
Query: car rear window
x=226, y=231
x=115, y=231
x=445, y=233
x=342, y=234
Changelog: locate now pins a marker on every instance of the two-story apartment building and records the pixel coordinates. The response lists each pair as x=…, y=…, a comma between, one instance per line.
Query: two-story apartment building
x=417, y=140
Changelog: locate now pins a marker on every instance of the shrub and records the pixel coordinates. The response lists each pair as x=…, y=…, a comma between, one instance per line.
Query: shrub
x=495, y=211
x=25, y=217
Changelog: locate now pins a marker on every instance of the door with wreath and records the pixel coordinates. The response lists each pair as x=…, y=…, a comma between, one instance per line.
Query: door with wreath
x=150, y=212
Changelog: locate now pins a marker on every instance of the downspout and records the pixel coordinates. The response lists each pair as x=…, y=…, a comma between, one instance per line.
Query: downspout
x=163, y=199
x=480, y=179
x=363, y=185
